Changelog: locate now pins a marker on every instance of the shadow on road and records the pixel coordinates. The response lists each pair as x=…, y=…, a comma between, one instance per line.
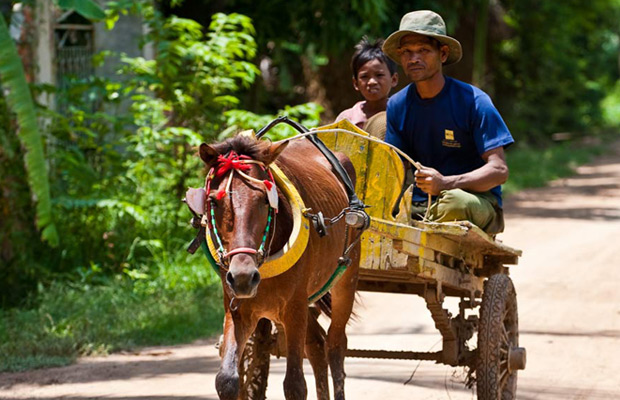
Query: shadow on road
x=612, y=334
x=121, y=398
x=594, y=187
x=101, y=371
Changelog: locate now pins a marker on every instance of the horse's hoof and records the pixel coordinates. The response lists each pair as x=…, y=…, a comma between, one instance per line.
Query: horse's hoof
x=227, y=386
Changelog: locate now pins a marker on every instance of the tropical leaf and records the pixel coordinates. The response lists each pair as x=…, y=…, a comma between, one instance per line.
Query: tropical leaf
x=20, y=102
x=86, y=8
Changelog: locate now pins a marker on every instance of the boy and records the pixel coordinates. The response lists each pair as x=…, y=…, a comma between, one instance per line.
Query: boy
x=374, y=75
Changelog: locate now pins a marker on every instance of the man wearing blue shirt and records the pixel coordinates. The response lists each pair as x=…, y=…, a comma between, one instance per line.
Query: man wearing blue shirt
x=450, y=127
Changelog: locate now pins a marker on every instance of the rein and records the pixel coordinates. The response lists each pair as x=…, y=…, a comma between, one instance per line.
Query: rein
x=232, y=164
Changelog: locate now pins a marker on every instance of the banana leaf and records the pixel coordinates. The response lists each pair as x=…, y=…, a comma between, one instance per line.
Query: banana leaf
x=86, y=8
x=20, y=102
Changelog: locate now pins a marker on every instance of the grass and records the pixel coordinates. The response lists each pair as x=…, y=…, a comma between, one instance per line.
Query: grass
x=534, y=167
x=178, y=304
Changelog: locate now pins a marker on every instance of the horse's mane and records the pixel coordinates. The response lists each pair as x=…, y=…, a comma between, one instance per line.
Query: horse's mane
x=243, y=145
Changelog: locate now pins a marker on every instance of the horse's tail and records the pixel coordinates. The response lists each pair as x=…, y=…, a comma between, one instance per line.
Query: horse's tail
x=324, y=305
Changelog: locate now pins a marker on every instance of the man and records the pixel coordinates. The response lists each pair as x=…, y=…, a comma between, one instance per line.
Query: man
x=450, y=127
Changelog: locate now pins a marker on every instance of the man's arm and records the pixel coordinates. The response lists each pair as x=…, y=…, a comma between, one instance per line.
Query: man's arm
x=493, y=173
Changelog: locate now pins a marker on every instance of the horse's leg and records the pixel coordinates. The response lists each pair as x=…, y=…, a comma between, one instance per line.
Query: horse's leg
x=315, y=351
x=295, y=321
x=235, y=337
x=343, y=296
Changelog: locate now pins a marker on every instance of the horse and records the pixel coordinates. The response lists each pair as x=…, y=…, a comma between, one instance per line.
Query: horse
x=241, y=216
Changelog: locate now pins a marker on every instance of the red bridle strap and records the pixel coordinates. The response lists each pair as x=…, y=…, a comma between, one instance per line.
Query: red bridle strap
x=240, y=250
x=232, y=161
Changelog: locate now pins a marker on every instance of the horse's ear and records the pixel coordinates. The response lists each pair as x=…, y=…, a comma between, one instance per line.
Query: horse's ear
x=273, y=151
x=208, y=154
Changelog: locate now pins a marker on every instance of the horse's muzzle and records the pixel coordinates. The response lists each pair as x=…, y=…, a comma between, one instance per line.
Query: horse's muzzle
x=243, y=276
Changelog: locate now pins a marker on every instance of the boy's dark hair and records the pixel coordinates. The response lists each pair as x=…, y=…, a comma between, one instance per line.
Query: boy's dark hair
x=366, y=51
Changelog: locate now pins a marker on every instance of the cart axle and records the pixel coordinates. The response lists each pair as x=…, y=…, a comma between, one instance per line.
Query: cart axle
x=395, y=355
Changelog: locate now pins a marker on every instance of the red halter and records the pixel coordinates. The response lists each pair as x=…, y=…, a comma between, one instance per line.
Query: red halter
x=232, y=163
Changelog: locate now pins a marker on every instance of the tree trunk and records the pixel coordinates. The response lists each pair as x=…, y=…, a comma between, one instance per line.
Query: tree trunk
x=315, y=90
x=480, y=44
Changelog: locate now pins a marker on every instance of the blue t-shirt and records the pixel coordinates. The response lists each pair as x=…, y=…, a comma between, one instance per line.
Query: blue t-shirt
x=448, y=132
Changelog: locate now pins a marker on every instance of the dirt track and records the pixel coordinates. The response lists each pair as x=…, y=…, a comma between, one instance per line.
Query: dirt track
x=569, y=310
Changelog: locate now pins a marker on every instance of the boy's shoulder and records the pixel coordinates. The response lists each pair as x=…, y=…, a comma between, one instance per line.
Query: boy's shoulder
x=354, y=114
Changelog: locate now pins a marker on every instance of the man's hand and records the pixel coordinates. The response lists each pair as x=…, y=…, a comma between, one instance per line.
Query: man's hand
x=430, y=181
x=494, y=172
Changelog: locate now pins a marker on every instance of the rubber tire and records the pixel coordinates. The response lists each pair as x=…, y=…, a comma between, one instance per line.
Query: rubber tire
x=499, y=307
x=254, y=368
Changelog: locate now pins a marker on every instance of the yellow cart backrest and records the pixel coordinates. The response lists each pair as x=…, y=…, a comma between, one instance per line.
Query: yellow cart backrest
x=379, y=181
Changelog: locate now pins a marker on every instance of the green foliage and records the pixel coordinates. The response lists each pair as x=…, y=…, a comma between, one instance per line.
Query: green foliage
x=307, y=114
x=121, y=170
x=87, y=8
x=20, y=101
x=611, y=106
x=121, y=154
x=314, y=23
x=558, y=65
x=532, y=167
x=19, y=239
x=99, y=314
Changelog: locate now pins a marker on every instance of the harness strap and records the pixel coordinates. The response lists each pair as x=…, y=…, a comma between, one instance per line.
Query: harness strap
x=342, y=267
x=354, y=202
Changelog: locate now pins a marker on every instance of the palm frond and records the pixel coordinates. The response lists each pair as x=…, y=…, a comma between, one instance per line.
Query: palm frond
x=20, y=102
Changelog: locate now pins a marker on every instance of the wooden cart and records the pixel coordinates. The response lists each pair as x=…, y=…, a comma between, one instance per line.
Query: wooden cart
x=431, y=260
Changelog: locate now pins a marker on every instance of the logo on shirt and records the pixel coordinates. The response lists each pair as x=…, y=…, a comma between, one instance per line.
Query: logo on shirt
x=449, y=141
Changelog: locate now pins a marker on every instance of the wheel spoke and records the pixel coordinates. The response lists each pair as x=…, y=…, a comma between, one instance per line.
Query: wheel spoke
x=505, y=336
x=503, y=378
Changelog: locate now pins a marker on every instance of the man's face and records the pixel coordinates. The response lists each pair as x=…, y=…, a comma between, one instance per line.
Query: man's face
x=421, y=57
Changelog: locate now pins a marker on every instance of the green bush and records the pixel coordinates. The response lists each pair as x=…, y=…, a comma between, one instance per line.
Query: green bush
x=532, y=167
x=177, y=303
x=122, y=152
x=557, y=66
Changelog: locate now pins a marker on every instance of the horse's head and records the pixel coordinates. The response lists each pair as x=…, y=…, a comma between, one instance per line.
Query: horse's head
x=239, y=211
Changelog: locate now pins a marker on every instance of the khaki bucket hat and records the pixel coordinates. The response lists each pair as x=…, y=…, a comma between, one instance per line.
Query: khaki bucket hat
x=427, y=23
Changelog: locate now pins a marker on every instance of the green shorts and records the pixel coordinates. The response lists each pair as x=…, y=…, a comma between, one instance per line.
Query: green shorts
x=480, y=209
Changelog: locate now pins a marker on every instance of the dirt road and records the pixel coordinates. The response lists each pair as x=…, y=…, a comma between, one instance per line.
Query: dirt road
x=569, y=309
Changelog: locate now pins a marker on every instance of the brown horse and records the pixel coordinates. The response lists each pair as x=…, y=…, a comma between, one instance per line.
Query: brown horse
x=241, y=213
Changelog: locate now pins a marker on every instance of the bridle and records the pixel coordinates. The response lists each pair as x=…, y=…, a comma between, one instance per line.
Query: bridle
x=233, y=164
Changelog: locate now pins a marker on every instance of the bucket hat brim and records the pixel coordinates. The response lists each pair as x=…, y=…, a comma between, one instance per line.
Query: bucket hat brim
x=425, y=23
x=392, y=43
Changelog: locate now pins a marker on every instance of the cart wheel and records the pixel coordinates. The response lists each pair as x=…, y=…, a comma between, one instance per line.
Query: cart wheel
x=254, y=369
x=499, y=356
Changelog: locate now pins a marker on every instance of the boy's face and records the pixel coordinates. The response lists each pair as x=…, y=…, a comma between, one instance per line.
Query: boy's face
x=374, y=80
